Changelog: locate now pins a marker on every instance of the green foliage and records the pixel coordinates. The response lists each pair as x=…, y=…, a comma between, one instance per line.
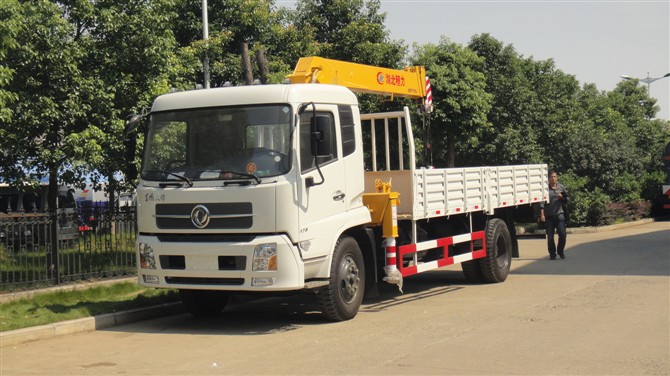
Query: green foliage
x=512, y=138
x=616, y=146
x=232, y=23
x=460, y=98
x=605, y=144
x=651, y=184
x=121, y=34
x=48, y=131
x=593, y=207
x=10, y=25
x=585, y=206
x=349, y=30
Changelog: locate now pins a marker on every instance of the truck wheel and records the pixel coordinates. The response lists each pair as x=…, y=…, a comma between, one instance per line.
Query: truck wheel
x=472, y=271
x=495, y=266
x=342, y=297
x=204, y=303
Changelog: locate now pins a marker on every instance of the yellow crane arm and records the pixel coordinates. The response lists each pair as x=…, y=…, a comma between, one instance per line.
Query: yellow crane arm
x=410, y=82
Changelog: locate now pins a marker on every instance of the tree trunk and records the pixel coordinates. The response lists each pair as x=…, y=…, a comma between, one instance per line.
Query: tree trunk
x=111, y=192
x=262, y=65
x=52, y=202
x=112, y=206
x=427, y=142
x=246, y=64
x=52, y=194
x=451, y=150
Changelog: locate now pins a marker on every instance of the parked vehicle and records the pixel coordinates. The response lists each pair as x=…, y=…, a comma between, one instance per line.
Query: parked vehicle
x=264, y=189
x=663, y=200
x=23, y=215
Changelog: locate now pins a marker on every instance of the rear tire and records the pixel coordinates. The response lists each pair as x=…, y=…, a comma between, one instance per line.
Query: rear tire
x=341, y=299
x=496, y=265
x=204, y=303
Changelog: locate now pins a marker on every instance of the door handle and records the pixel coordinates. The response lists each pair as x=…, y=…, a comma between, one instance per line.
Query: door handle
x=339, y=195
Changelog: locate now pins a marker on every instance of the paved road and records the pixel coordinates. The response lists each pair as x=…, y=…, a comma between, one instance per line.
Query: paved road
x=605, y=310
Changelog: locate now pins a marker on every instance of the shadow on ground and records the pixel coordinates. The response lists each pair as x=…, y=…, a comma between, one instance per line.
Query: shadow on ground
x=254, y=315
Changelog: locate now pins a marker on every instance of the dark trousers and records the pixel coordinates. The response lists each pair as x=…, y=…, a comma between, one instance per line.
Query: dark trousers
x=558, y=223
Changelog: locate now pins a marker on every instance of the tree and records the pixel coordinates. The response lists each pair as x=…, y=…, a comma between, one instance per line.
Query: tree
x=82, y=66
x=552, y=109
x=10, y=25
x=637, y=110
x=512, y=138
x=235, y=27
x=132, y=52
x=285, y=44
x=49, y=130
x=349, y=30
x=460, y=100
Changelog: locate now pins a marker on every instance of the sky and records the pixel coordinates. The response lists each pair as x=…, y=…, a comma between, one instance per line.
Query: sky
x=596, y=41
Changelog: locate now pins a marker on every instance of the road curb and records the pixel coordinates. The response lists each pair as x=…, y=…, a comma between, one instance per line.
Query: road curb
x=19, y=336
x=590, y=230
x=594, y=229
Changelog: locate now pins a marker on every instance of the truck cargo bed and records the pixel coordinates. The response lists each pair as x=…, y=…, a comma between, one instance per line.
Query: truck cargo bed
x=435, y=192
x=428, y=193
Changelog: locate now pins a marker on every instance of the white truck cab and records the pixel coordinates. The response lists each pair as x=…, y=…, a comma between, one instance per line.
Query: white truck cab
x=231, y=196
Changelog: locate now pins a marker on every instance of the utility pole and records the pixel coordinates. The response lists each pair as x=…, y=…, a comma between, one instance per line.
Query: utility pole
x=205, y=37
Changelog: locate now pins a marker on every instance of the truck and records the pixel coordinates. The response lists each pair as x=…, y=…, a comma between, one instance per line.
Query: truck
x=288, y=187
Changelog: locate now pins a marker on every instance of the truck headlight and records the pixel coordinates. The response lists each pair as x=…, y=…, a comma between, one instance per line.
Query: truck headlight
x=147, y=259
x=265, y=257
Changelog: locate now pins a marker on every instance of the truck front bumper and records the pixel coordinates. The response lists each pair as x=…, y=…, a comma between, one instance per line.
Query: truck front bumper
x=264, y=263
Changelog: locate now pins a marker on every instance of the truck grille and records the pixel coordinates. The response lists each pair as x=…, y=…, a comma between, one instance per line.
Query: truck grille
x=234, y=215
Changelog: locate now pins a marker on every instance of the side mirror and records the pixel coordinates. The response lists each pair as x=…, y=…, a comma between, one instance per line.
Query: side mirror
x=132, y=124
x=130, y=145
x=321, y=135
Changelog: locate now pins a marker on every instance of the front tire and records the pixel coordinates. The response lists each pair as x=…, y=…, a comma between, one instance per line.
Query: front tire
x=341, y=299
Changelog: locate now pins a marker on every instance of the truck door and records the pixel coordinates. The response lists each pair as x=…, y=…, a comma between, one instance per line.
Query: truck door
x=322, y=206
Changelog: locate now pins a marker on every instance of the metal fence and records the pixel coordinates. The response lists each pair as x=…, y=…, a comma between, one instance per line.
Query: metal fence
x=40, y=249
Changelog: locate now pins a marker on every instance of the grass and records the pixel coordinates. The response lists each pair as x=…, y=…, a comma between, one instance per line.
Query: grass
x=51, y=307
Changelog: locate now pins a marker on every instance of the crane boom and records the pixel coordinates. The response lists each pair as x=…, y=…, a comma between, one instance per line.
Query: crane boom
x=409, y=82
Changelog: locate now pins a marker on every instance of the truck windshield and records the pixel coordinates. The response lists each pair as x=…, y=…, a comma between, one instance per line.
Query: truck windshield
x=218, y=143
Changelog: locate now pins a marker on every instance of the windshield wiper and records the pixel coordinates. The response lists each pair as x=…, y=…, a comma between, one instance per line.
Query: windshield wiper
x=243, y=174
x=180, y=177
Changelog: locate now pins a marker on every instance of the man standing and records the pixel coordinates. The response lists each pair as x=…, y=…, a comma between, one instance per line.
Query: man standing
x=554, y=216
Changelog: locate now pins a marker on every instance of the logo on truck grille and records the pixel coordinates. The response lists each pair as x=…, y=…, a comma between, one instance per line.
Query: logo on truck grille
x=211, y=215
x=200, y=216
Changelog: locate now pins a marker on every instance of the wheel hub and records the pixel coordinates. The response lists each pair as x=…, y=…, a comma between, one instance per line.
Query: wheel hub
x=350, y=279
